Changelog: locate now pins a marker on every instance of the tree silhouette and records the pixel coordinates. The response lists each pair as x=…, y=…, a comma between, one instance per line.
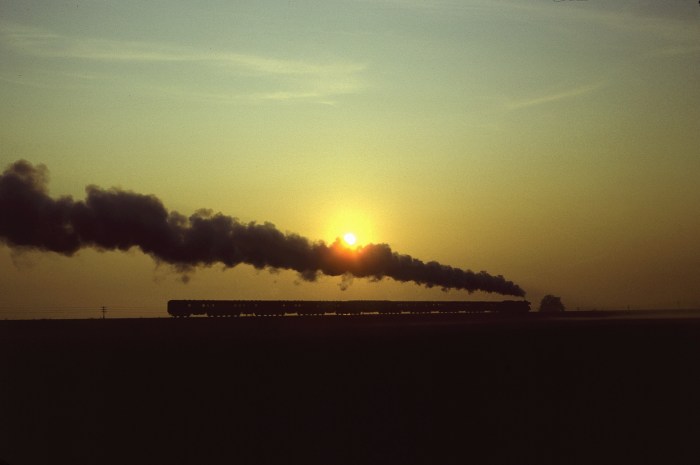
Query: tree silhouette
x=551, y=303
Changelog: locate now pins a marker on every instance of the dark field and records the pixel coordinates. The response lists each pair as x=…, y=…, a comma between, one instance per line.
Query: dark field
x=436, y=389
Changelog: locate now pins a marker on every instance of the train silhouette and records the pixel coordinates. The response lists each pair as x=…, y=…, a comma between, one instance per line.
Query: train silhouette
x=233, y=308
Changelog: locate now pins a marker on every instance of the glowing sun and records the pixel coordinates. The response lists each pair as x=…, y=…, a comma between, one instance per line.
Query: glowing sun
x=349, y=238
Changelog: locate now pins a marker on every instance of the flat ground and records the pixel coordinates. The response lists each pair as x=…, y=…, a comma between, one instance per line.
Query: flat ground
x=583, y=388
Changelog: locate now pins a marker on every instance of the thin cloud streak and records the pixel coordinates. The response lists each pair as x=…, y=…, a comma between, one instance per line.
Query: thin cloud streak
x=40, y=43
x=318, y=80
x=554, y=97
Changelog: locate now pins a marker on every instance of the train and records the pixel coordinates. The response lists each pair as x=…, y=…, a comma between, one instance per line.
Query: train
x=235, y=308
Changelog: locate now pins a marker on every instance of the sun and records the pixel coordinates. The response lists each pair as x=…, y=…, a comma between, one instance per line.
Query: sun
x=349, y=239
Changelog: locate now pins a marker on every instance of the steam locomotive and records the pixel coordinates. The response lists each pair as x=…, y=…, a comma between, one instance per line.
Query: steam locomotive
x=231, y=308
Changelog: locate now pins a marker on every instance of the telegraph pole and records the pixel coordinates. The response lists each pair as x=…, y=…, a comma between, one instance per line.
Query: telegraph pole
x=104, y=311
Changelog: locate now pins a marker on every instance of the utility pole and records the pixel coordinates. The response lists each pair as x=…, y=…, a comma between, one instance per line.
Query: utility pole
x=104, y=311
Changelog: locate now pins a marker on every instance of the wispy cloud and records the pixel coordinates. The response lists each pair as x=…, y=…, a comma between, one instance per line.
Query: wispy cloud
x=318, y=79
x=554, y=96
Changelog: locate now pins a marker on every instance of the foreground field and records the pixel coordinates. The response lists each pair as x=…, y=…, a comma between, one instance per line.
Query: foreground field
x=586, y=388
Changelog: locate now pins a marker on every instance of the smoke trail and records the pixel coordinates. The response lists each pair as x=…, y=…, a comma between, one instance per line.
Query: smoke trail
x=114, y=219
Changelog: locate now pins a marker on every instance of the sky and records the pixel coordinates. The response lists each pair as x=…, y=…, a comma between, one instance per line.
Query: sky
x=554, y=143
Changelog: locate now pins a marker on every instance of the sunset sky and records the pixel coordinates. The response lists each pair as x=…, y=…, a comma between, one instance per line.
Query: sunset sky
x=554, y=143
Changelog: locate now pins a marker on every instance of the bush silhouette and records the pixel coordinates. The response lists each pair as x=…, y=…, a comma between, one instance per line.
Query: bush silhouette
x=551, y=303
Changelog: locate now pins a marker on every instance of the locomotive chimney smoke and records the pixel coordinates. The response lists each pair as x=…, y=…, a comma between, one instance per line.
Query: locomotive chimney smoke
x=114, y=219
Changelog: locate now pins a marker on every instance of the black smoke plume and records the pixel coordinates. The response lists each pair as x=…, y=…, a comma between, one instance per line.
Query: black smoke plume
x=114, y=219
